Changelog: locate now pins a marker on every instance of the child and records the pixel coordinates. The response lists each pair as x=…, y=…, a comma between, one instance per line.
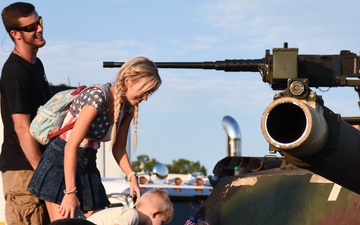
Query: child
x=153, y=207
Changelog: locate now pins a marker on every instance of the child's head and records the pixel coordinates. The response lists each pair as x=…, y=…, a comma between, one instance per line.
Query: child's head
x=156, y=204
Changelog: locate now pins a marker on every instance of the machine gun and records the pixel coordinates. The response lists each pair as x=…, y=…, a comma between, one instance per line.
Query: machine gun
x=297, y=124
x=282, y=65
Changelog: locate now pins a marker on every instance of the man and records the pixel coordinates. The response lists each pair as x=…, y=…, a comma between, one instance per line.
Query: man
x=24, y=88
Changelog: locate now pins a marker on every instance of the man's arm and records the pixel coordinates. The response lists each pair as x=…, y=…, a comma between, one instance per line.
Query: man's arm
x=27, y=142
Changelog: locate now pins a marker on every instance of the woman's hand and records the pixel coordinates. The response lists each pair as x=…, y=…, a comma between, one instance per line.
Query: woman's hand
x=134, y=187
x=68, y=205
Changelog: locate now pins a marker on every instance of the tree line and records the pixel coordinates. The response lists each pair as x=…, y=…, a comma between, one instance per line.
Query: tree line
x=182, y=166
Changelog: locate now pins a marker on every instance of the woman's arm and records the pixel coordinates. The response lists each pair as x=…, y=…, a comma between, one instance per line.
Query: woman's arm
x=83, y=122
x=121, y=156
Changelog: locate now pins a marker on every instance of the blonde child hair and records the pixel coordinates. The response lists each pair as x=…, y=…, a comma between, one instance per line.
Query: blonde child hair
x=157, y=198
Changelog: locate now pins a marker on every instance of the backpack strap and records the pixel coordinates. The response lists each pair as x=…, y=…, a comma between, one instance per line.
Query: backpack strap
x=65, y=128
x=78, y=90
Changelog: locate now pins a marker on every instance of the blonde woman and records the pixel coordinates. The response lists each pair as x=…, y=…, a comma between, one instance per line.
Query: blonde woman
x=67, y=178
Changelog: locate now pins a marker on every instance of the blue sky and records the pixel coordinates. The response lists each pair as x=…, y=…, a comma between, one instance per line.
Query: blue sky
x=183, y=118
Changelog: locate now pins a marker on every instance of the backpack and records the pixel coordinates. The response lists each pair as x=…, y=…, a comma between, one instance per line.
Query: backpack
x=50, y=116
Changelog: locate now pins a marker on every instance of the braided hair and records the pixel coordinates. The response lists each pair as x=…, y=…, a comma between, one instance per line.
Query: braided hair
x=136, y=69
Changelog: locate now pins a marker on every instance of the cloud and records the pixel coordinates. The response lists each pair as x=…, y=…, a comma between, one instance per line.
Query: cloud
x=311, y=26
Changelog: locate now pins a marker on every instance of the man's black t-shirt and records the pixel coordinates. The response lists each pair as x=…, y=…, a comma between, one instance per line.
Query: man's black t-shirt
x=24, y=88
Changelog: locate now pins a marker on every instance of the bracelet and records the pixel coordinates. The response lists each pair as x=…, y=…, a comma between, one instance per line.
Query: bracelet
x=71, y=191
x=131, y=174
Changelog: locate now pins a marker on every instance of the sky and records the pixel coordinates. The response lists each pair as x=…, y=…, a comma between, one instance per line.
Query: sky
x=183, y=119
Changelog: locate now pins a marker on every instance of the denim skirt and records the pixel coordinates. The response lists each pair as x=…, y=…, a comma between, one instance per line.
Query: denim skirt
x=48, y=181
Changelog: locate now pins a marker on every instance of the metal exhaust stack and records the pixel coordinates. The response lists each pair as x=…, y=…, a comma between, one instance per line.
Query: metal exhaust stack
x=233, y=133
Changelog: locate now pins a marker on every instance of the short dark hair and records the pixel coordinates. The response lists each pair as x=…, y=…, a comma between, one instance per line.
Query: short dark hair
x=74, y=221
x=11, y=14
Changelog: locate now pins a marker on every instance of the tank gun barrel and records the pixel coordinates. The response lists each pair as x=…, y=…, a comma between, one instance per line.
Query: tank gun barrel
x=312, y=137
x=228, y=65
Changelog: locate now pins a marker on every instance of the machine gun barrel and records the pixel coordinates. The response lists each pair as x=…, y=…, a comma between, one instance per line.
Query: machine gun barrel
x=228, y=65
x=284, y=64
x=312, y=137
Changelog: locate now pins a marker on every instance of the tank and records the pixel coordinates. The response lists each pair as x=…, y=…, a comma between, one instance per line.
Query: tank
x=316, y=180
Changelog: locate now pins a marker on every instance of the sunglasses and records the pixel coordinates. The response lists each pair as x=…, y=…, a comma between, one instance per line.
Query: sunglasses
x=31, y=27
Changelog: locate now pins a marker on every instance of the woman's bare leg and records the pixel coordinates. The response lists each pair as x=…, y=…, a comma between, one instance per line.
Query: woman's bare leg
x=89, y=213
x=54, y=214
x=53, y=210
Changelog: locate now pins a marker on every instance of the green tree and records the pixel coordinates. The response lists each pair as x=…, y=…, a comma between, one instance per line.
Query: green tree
x=183, y=166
